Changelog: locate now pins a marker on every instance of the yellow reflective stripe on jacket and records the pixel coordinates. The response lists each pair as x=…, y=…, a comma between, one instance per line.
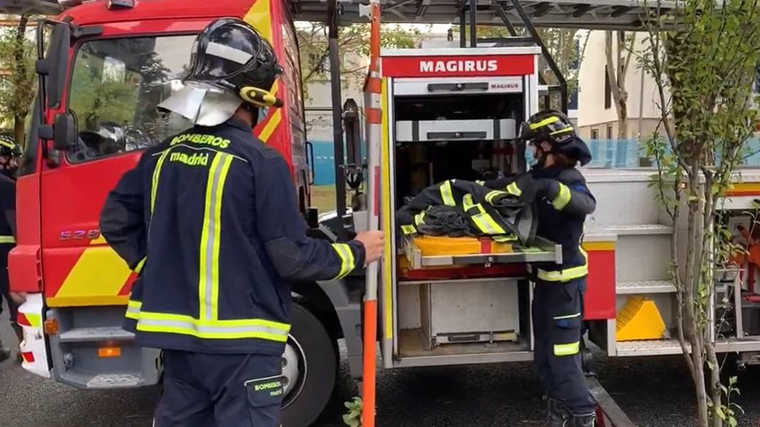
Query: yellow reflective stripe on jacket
x=346, y=257
x=482, y=219
x=7, y=239
x=212, y=329
x=493, y=194
x=567, y=349
x=563, y=198
x=133, y=309
x=408, y=229
x=487, y=224
x=467, y=202
x=565, y=275
x=419, y=219
x=514, y=190
x=156, y=176
x=208, y=283
x=544, y=122
x=447, y=194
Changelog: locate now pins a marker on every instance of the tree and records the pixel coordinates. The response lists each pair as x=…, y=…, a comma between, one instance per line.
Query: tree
x=17, y=76
x=704, y=69
x=353, y=43
x=567, y=47
x=617, y=68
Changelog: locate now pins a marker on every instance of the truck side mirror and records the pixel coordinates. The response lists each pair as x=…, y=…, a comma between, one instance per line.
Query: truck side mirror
x=64, y=132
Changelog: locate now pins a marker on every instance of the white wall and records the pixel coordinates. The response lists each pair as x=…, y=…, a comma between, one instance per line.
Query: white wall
x=591, y=111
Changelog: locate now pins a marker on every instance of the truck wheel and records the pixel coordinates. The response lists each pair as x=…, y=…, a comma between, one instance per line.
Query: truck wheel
x=309, y=367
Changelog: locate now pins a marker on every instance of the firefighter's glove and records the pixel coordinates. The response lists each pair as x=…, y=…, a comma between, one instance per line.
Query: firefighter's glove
x=444, y=221
x=546, y=188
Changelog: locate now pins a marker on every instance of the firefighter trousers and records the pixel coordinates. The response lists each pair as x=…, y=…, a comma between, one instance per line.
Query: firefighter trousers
x=557, y=320
x=220, y=390
x=5, y=290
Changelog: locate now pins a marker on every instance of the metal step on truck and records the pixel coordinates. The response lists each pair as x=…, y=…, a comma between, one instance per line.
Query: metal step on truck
x=445, y=113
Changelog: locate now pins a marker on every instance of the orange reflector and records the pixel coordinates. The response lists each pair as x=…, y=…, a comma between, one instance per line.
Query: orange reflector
x=28, y=357
x=109, y=352
x=51, y=326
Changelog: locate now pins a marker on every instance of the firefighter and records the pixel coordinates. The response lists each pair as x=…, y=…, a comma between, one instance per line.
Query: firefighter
x=563, y=201
x=10, y=152
x=209, y=219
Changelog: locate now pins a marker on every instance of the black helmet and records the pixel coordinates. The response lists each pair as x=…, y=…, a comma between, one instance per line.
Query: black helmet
x=232, y=55
x=554, y=127
x=9, y=146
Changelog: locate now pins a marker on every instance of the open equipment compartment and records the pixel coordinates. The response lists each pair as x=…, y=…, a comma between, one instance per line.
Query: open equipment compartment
x=459, y=308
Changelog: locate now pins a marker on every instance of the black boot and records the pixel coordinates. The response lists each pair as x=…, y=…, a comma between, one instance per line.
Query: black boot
x=586, y=420
x=5, y=352
x=20, y=335
x=558, y=415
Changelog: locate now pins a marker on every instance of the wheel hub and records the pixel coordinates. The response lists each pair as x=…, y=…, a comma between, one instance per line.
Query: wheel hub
x=292, y=361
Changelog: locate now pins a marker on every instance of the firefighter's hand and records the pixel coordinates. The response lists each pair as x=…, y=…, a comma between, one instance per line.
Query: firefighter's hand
x=545, y=187
x=373, y=245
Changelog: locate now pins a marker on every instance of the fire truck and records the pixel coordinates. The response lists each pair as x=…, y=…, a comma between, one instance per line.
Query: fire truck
x=431, y=115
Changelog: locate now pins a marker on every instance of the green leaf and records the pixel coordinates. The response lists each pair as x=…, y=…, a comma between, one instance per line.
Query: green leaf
x=733, y=380
x=732, y=422
x=719, y=412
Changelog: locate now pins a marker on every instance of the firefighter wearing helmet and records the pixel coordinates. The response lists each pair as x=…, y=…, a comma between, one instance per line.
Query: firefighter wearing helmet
x=10, y=153
x=564, y=200
x=209, y=219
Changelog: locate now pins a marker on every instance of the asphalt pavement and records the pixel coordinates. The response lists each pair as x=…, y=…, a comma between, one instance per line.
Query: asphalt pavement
x=653, y=392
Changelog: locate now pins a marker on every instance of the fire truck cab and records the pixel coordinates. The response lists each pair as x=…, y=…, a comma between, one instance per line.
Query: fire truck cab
x=104, y=67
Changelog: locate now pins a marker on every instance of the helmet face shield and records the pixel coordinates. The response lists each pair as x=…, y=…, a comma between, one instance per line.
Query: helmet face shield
x=525, y=133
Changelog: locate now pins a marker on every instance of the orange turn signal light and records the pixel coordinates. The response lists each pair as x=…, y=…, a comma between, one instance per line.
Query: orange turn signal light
x=51, y=326
x=106, y=352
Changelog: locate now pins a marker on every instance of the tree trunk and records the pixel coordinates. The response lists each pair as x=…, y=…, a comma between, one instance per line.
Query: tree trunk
x=616, y=71
x=19, y=129
x=18, y=53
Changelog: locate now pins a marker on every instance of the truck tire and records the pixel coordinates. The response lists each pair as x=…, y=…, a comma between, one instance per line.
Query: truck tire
x=310, y=365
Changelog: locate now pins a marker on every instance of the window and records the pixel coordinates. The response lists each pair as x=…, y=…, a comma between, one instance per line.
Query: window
x=609, y=131
x=115, y=88
x=594, y=133
x=607, y=90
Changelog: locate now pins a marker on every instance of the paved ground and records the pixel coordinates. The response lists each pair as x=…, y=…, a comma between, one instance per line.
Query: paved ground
x=654, y=393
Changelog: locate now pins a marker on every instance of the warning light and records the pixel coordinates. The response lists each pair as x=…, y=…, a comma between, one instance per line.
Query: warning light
x=51, y=326
x=106, y=352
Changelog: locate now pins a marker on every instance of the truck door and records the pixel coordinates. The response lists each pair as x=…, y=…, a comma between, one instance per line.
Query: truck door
x=115, y=86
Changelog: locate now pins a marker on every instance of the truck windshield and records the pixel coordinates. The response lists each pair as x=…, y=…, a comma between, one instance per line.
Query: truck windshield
x=115, y=88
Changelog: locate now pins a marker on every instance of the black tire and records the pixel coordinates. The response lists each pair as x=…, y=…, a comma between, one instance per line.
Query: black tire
x=317, y=371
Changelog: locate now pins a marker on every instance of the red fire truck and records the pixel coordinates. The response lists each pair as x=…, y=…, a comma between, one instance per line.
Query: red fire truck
x=105, y=65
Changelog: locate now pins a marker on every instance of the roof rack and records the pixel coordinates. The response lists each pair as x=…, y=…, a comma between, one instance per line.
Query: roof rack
x=586, y=14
